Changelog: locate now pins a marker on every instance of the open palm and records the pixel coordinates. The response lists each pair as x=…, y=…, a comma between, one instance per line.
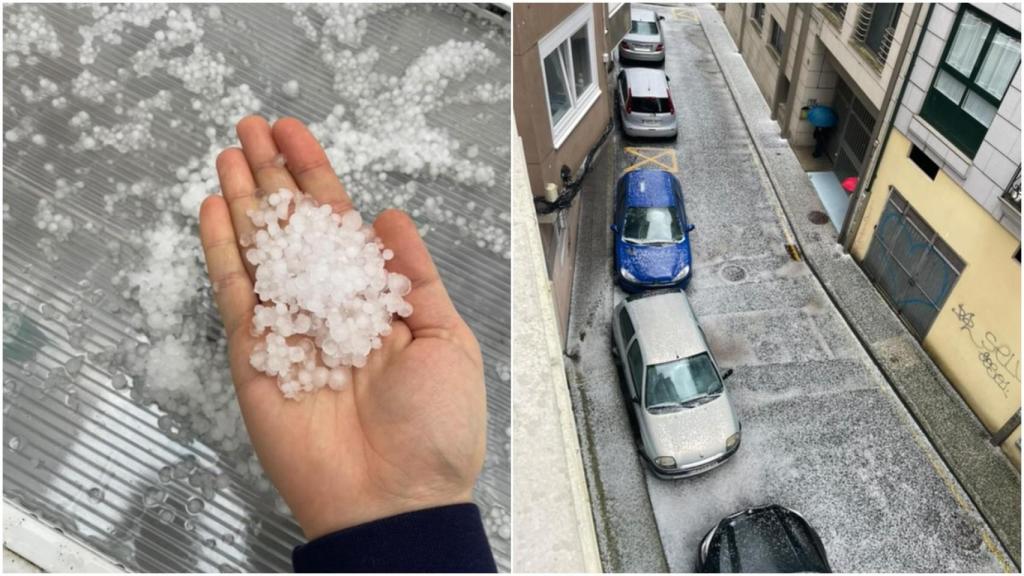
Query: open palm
x=409, y=433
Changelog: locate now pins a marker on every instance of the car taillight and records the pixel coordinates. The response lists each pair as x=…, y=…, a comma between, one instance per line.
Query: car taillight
x=626, y=45
x=659, y=47
x=671, y=105
x=629, y=101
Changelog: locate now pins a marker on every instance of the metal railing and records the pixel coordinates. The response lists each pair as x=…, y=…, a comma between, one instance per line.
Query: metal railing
x=1012, y=193
x=837, y=8
x=862, y=29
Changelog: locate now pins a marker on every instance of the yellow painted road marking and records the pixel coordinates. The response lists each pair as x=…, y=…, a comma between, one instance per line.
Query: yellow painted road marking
x=664, y=158
x=684, y=14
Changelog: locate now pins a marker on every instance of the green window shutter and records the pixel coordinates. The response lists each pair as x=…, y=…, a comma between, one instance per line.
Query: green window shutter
x=960, y=103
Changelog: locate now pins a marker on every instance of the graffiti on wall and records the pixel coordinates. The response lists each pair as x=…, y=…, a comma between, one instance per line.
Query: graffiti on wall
x=1001, y=363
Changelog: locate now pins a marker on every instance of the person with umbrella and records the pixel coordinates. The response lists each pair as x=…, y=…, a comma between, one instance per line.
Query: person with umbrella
x=823, y=119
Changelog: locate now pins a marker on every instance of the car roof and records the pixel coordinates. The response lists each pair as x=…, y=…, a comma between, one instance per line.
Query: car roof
x=768, y=539
x=647, y=82
x=642, y=15
x=649, y=188
x=665, y=326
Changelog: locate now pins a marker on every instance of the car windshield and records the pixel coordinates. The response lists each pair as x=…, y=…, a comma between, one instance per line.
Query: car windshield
x=652, y=226
x=643, y=27
x=650, y=105
x=686, y=382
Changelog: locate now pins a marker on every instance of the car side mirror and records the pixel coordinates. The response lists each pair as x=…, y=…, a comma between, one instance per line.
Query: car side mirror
x=667, y=79
x=690, y=227
x=660, y=17
x=614, y=227
x=726, y=374
x=636, y=400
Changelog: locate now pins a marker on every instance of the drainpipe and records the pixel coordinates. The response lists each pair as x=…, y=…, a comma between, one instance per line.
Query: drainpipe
x=798, y=68
x=890, y=107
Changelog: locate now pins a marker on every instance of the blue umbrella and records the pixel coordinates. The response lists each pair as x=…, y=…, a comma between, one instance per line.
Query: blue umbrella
x=821, y=116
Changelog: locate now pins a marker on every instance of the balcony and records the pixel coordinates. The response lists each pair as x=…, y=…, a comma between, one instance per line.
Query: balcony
x=874, y=30
x=835, y=12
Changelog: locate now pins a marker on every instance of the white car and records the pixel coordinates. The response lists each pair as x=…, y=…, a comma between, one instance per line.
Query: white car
x=645, y=103
x=645, y=41
x=686, y=423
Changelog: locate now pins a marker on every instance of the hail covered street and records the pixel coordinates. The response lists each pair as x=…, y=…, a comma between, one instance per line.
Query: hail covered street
x=823, y=433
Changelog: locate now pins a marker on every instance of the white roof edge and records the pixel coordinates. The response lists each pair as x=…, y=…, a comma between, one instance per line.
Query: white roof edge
x=50, y=550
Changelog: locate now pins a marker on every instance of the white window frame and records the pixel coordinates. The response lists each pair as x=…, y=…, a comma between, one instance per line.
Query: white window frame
x=580, y=104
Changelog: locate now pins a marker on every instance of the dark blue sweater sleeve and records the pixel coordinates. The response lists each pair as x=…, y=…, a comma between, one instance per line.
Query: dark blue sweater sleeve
x=445, y=539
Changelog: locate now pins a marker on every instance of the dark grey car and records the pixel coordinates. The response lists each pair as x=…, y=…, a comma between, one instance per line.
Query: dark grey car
x=765, y=539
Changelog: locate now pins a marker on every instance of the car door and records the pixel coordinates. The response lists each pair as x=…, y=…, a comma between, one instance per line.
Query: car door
x=635, y=369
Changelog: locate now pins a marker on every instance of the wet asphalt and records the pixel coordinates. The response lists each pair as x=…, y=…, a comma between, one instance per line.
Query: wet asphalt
x=823, y=433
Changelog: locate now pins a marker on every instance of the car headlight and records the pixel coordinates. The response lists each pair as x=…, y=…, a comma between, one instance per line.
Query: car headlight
x=732, y=441
x=682, y=274
x=665, y=462
x=625, y=274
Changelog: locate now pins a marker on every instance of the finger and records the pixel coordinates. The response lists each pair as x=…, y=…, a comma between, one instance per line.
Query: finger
x=433, y=311
x=308, y=164
x=231, y=284
x=262, y=154
x=239, y=189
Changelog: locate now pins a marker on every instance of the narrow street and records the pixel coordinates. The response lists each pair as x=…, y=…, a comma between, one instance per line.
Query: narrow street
x=823, y=433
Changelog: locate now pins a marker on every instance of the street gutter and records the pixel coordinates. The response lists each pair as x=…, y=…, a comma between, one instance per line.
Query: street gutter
x=961, y=441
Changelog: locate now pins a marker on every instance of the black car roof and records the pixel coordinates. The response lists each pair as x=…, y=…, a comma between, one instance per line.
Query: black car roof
x=768, y=539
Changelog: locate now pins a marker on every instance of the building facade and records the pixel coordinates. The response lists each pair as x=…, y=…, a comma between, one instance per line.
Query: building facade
x=844, y=56
x=562, y=104
x=940, y=233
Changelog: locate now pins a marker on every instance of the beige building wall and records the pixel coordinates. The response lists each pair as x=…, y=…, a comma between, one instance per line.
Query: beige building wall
x=544, y=160
x=755, y=48
x=830, y=52
x=982, y=312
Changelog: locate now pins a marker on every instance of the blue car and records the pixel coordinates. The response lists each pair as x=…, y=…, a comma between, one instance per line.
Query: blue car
x=652, y=244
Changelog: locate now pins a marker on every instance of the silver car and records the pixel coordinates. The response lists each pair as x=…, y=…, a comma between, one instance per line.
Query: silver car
x=645, y=41
x=682, y=411
x=645, y=103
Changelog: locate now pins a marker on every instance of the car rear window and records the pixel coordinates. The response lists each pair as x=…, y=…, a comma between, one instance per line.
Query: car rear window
x=650, y=105
x=643, y=27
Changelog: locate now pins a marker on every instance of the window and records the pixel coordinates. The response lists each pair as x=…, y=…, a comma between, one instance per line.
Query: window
x=568, y=66
x=918, y=156
x=972, y=78
x=645, y=27
x=913, y=268
x=636, y=366
x=837, y=8
x=626, y=326
x=876, y=26
x=682, y=382
x=758, y=16
x=776, y=38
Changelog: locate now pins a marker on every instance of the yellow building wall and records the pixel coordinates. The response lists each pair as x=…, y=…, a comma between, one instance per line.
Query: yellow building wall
x=975, y=339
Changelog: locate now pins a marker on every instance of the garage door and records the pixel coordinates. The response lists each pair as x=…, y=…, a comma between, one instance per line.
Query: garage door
x=912, y=267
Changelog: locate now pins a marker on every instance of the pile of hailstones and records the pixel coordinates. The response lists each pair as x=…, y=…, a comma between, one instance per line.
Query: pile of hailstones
x=326, y=298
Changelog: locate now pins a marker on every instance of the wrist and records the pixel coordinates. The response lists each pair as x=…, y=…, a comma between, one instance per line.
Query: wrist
x=326, y=520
